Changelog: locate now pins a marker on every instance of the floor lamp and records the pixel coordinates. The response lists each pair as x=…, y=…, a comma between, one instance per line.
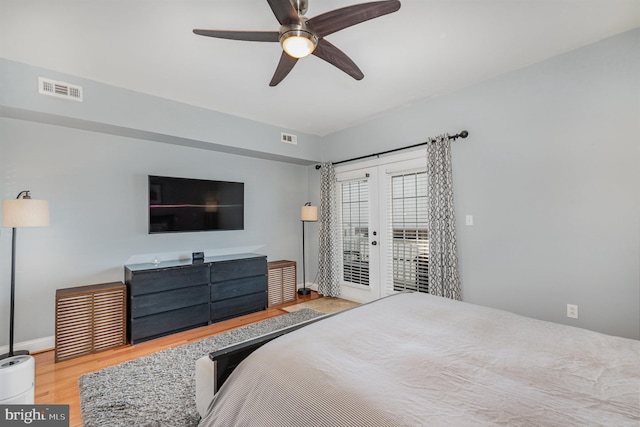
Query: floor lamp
x=308, y=213
x=16, y=213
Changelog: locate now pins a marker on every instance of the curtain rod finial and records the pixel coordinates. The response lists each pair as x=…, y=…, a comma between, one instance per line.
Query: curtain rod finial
x=464, y=134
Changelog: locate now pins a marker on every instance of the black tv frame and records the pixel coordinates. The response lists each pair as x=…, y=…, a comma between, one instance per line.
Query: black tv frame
x=226, y=216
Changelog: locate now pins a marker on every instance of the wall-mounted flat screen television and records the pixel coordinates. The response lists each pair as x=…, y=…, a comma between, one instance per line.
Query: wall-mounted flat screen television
x=185, y=204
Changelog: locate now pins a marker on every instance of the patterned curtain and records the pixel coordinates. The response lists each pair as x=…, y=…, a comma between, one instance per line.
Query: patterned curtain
x=444, y=279
x=328, y=232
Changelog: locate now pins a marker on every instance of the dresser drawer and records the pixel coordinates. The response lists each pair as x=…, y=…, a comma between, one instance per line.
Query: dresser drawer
x=236, y=269
x=238, y=287
x=145, y=305
x=168, y=322
x=233, y=307
x=145, y=282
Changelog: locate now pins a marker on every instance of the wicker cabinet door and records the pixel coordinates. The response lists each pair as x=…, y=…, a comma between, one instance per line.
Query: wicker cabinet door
x=282, y=282
x=109, y=326
x=74, y=332
x=289, y=283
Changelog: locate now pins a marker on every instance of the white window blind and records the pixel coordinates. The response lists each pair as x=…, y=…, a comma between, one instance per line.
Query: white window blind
x=355, y=231
x=409, y=235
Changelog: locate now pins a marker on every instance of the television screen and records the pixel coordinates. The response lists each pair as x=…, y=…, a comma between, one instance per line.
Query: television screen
x=184, y=204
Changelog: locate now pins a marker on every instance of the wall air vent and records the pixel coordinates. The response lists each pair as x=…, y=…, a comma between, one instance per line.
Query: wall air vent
x=288, y=138
x=59, y=89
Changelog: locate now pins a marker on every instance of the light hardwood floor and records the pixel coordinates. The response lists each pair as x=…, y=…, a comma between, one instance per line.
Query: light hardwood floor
x=57, y=383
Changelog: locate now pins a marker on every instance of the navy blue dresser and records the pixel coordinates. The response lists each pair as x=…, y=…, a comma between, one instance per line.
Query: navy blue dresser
x=175, y=296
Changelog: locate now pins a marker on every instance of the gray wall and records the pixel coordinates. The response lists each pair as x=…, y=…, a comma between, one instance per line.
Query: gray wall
x=91, y=159
x=112, y=110
x=96, y=185
x=550, y=173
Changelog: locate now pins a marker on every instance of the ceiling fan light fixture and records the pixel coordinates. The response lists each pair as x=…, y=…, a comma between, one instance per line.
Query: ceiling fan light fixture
x=298, y=42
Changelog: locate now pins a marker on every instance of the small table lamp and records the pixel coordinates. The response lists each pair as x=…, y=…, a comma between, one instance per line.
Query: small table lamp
x=308, y=213
x=21, y=212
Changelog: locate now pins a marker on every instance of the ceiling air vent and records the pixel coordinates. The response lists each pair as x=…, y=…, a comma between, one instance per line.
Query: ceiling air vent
x=288, y=138
x=59, y=89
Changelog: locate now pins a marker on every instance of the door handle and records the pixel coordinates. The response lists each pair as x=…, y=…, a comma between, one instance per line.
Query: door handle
x=374, y=243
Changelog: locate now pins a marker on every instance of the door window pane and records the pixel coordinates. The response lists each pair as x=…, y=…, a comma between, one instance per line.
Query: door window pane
x=355, y=231
x=410, y=243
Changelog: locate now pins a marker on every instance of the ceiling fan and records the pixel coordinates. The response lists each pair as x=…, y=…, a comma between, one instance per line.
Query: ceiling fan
x=301, y=36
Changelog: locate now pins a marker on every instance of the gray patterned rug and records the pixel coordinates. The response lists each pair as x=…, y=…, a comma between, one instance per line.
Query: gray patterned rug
x=159, y=390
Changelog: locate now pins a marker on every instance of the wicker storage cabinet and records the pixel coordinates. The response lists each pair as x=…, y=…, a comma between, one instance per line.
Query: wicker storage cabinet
x=282, y=282
x=90, y=319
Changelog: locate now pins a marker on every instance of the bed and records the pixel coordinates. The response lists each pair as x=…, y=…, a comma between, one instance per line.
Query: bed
x=416, y=360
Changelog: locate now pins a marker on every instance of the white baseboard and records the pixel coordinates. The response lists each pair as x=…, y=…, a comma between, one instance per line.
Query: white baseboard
x=32, y=346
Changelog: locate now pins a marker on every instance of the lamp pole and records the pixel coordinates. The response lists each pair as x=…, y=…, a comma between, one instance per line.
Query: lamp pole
x=13, y=299
x=16, y=214
x=308, y=213
x=303, y=290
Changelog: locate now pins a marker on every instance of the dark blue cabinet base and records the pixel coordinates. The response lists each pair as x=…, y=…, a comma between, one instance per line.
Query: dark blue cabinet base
x=178, y=295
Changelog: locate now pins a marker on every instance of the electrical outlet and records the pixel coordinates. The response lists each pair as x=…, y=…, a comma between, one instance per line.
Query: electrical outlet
x=572, y=311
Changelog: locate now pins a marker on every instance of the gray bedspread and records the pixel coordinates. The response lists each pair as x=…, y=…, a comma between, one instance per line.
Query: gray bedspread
x=420, y=360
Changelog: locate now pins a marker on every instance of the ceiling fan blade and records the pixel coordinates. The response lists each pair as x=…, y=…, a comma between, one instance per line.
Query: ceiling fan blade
x=284, y=11
x=338, y=19
x=337, y=58
x=252, y=36
x=284, y=67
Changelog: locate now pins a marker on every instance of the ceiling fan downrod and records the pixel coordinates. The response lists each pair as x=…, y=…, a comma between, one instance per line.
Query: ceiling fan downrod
x=301, y=6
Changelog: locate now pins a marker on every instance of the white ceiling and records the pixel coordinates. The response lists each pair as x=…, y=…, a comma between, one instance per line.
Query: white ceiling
x=427, y=48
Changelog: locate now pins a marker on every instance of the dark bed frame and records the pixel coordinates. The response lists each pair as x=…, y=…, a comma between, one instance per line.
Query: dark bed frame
x=226, y=359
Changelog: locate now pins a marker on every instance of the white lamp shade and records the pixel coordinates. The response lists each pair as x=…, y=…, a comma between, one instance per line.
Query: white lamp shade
x=309, y=213
x=25, y=213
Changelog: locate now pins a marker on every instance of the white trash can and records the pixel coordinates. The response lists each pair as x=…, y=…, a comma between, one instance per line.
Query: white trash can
x=17, y=380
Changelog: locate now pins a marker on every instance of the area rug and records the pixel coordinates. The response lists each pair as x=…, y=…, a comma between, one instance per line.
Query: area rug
x=159, y=390
x=325, y=304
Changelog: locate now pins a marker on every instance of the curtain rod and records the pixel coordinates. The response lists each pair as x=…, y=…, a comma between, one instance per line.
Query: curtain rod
x=462, y=135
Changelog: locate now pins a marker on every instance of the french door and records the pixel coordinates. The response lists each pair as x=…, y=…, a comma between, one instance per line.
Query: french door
x=383, y=219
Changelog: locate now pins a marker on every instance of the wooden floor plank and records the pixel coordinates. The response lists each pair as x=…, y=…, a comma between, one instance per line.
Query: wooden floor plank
x=57, y=383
